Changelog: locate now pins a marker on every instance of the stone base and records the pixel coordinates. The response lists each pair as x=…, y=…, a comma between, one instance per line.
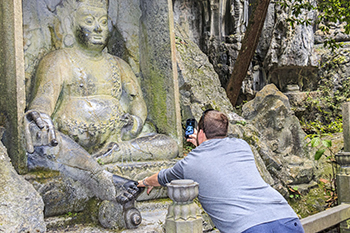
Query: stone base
x=153, y=220
x=138, y=171
x=189, y=226
x=63, y=195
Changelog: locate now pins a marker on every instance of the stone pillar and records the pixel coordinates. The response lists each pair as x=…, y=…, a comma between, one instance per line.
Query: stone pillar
x=12, y=84
x=346, y=125
x=159, y=80
x=343, y=160
x=184, y=216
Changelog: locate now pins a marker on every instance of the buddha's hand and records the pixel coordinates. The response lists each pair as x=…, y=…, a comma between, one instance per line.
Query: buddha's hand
x=132, y=126
x=39, y=130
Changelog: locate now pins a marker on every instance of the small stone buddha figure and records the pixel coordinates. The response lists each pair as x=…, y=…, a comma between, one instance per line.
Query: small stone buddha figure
x=277, y=130
x=88, y=106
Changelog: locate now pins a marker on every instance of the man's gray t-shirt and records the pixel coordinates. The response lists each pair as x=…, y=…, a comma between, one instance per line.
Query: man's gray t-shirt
x=231, y=189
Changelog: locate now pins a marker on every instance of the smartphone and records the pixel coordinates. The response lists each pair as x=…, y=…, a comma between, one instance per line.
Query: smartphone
x=190, y=126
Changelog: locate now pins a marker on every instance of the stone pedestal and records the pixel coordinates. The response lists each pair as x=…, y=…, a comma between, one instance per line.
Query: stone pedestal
x=343, y=184
x=343, y=177
x=346, y=125
x=343, y=160
x=183, y=215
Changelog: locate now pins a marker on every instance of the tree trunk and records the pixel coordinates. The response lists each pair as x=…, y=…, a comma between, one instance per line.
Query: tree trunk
x=249, y=44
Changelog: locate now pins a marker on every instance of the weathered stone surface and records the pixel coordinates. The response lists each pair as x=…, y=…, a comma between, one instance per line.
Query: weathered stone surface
x=270, y=112
x=290, y=46
x=12, y=88
x=21, y=207
x=346, y=125
x=198, y=83
x=111, y=215
x=159, y=79
x=45, y=28
x=60, y=194
x=336, y=31
x=124, y=42
x=153, y=216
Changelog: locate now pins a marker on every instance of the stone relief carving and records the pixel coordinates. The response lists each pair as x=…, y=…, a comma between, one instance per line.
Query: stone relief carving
x=271, y=114
x=87, y=107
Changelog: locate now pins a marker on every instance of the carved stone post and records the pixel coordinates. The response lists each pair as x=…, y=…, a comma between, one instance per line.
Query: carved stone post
x=159, y=79
x=12, y=99
x=343, y=159
x=184, y=216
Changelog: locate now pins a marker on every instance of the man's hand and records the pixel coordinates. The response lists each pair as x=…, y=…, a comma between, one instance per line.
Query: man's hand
x=149, y=182
x=142, y=183
x=39, y=130
x=193, y=138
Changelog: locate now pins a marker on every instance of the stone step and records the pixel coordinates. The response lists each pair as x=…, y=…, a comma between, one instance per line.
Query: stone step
x=153, y=218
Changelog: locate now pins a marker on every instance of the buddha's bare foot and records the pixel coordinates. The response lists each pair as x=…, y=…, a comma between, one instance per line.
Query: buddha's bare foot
x=127, y=189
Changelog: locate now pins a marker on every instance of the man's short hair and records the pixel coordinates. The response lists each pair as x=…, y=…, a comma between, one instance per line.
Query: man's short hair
x=214, y=124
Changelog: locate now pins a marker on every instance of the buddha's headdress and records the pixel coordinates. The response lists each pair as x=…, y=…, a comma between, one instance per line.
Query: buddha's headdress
x=95, y=3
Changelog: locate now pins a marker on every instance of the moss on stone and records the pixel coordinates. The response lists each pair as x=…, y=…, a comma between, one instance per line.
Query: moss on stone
x=91, y=211
x=251, y=139
x=42, y=174
x=311, y=203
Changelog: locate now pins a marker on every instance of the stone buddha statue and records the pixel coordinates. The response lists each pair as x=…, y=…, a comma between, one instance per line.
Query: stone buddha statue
x=88, y=106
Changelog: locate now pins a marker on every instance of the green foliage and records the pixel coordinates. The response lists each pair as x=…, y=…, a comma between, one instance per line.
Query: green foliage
x=334, y=11
x=294, y=193
x=323, y=113
x=321, y=146
x=329, y=12
x=309, y=203
x=239, y=107
x=99, y=161
x=297, y=8
x=70, y=214
x=243, y=123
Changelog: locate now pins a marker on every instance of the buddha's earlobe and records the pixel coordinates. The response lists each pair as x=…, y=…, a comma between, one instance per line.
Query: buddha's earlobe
x=68, y=40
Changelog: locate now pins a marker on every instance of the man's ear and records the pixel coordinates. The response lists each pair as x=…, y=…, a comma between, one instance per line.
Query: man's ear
x=201, y=137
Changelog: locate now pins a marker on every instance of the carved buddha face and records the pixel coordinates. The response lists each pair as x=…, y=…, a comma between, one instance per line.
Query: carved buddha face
x=280, y=119
x=91, y=27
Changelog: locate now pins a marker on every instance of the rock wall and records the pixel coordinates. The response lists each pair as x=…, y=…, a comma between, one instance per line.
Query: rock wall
x=21, y=206
x=285, y=55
